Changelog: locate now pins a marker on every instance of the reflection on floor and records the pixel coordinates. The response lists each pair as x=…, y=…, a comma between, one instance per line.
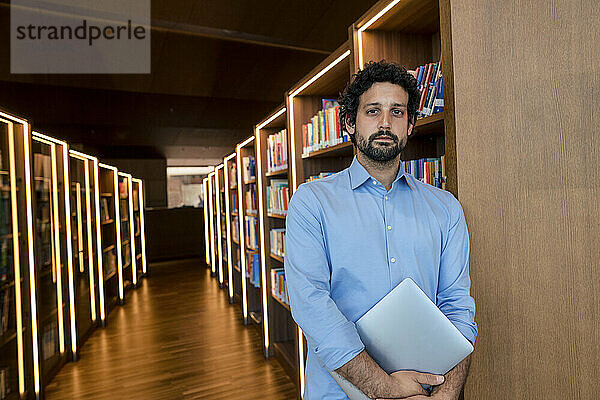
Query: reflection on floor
x=175, y=338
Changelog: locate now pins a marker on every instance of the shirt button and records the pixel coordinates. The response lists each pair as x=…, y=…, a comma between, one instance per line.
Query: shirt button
x=387, y=198
x=393, y=260
x=374, y=182
x=389, y=227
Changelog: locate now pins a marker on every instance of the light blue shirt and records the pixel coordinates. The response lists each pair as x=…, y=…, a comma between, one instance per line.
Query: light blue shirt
x=349, y=242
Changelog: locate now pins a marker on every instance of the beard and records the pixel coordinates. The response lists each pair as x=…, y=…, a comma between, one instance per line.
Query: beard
x=381, y=152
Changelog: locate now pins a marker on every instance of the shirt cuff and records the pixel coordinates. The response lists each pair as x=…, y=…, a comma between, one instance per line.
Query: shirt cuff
x=340, y=346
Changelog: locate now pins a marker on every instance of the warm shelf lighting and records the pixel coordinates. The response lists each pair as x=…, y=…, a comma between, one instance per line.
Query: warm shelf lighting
x=88, y=205
x=16, y=254
x=206, y=222
x=367, y=25
x=219, y=239
x=115, y=173
x=67, y=194
x=131, y=226
x=211, y=179
x=228, y=222
x=142, y=224
x=241, y=221
x=79, y=228
x=261, y=217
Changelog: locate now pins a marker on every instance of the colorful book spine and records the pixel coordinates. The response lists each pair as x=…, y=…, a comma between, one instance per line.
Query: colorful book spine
x=277, y=151
x=429, y=82
x=249, y=168
x=320, y=176
x=277, y=237
x=323, y=129
x=278, y=196
x=251, y=228
x=278, y=285
x=428, y=170
x=251, y=199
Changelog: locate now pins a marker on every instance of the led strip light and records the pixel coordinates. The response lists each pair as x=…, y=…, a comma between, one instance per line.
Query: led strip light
x=206, y=222
x=261, y=218
x=142, y=224
x=228, y=222
x=212, y=222
x=295, y=183
x=219, y=238
x=241, y=213
x=131, y=226
x=366, y=26
x=88, y=205
x=94, y=160
x=79, y=229
x=115, y=172
x=67, y=194
x=16, y=253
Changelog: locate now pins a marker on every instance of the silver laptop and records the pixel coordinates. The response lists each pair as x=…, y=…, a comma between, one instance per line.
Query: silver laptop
x=406, y=331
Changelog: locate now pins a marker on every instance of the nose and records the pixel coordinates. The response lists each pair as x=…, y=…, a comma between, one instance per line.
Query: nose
x=385, y=122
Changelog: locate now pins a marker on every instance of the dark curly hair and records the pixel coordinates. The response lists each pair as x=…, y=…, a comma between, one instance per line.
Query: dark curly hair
x=362, y=81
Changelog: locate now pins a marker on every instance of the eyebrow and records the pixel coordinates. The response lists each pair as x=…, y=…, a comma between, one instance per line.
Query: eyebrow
x=378, y=104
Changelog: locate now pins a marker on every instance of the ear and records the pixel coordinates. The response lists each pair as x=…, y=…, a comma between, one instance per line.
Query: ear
x=411, y=127
x=350, y=128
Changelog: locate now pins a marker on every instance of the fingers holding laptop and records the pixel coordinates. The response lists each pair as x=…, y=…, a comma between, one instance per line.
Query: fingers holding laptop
x=410, y=382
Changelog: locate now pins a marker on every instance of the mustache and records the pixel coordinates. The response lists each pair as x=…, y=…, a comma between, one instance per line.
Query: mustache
x=383, y=133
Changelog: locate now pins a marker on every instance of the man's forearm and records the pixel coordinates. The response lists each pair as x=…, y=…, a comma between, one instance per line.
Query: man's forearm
x=455, y=380
x=367, y=375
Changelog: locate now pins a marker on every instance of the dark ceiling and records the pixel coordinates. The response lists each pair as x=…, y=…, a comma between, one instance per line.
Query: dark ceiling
x=217, y=69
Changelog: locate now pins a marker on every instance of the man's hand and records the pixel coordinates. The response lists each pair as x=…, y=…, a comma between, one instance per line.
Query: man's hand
x=410, y=383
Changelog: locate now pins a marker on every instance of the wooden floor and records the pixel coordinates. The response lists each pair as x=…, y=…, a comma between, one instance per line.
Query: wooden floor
x=177, y=337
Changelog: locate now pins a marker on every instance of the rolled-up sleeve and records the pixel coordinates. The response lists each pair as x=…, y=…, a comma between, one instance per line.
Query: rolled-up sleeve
x=307, y=271
x=454, y=285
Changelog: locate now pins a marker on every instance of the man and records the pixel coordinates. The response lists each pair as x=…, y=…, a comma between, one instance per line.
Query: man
x=353, y=236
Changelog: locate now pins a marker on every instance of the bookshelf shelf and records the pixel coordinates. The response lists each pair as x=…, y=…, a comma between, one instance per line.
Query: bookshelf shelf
x=8, y=337
x=108, y=221
x=278, y=300
x=109, y=248
x=111, y=275
x=277, y=257
x=278, y=216
x=277, y=173
x=106, y=194
x=249, y=181
x=339, y=150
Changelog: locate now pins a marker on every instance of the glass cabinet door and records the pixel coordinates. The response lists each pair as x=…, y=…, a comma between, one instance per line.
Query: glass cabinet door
x=52, y=278
x=84, y=242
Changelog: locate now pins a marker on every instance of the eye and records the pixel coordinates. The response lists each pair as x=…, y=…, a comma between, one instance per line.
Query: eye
x=372, y=111
x=397, y=112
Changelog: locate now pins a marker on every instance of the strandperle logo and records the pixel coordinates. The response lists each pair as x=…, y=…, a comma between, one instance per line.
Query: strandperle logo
x=86, y=31
x=75, y=37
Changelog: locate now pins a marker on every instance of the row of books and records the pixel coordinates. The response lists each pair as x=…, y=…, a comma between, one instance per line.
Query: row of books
x=235, y=228
x=5, y=214
x=123, y=189
x=6, y=264
x=4, y=382
x=5, y=300
x=233, y=176
x=233, y=204
x=278, y=196
x=251, y=228
x=323, y=130
x=278, y=286
x=109, y=263
x=250, y=198
x=430, y=84
x=253, y=268
x=49, y=342
x=105, y=209
x=248, y=168
x=278, y=241
x=277, y=151
x=428, y=170
x=316, y=177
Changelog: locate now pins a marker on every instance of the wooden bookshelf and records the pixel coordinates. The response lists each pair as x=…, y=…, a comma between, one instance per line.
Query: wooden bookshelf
x=52, y=210
x=112, y=262
x=413, y=33
x=139, y=226
x=221, y=224
x=15, y=133
x=250, y=295
x=277, y=173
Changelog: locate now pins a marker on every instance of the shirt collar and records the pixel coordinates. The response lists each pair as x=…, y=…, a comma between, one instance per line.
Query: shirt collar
x=359, y=175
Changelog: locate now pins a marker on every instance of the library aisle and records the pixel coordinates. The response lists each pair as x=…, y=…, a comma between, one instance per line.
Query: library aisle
x=177, y=337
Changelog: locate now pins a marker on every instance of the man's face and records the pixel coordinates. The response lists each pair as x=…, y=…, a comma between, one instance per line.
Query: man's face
x=382, y=127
